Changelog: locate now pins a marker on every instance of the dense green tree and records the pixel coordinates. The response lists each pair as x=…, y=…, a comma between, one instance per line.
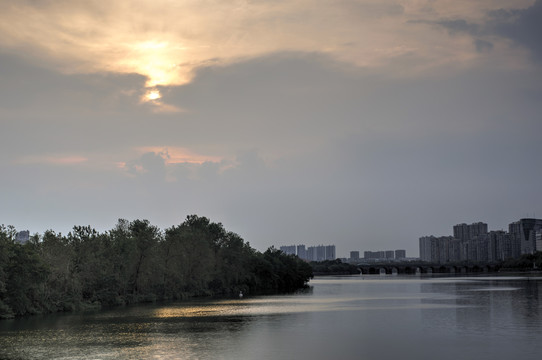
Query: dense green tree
x=334, y=267
x=26, y=276
x=6, y=248
x=63, y=290
x=191, y=254
x=145, y=238
x=233, y=265
x=136, y=262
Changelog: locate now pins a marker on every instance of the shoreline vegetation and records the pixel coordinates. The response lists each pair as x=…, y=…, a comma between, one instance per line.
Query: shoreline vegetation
x=135, y=262
x=525, y=263
x=334, y=267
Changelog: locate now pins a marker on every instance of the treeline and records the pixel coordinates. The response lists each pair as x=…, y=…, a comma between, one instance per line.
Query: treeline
x=526, y=262
x=333, y=267
x=136, y=262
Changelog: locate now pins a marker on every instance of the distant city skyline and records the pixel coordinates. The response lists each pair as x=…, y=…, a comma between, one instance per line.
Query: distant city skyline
x=330, y=252
x=311, y=253
x=475, y=243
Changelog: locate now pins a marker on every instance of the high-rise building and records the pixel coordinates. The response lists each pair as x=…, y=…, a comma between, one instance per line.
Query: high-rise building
x=523, y=235
x=461, y=232
x=481, y=245
x=499, y=247
x=454, y=249
x=290, y=249
x=354, y=255
x=475, y=243
x=301, y=252
x=469, y=232
x=439, y=249
x=443, y=250
x=317, y=253
x=400, y=254
x=330, y=252
x=428, y=248
x=477, y=229
x=311, y=253
x=320, y=253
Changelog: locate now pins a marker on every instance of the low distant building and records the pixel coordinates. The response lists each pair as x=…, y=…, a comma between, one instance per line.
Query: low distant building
x=354, y=255
x=384, y=255
x=374, y=255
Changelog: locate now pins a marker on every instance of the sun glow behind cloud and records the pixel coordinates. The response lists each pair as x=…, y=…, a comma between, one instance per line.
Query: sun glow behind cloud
x=168, y=41
x=153, y=95
x=157, y=61
x=178, y=155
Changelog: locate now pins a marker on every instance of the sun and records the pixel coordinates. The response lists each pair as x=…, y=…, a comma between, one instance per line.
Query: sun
x=153, y=97
x=152, y=94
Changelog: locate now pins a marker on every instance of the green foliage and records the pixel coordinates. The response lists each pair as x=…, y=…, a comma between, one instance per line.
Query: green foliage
x=136, y=262
x=284, y=273
x=526, y=262
x=337, y=267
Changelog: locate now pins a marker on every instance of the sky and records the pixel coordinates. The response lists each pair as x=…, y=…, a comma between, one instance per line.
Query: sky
x=365, y=124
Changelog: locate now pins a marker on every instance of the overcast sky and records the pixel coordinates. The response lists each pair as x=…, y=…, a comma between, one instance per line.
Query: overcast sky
x=365, y=124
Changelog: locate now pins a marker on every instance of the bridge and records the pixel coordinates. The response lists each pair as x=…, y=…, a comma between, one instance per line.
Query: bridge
x=424, y=268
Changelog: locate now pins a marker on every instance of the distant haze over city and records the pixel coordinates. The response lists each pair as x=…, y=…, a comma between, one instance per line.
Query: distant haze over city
x=364, y=124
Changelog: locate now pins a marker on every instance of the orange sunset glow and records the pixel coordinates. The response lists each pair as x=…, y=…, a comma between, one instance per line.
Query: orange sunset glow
x=178, y=155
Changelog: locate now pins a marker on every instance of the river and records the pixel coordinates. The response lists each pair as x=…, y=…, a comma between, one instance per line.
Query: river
x=356, y=317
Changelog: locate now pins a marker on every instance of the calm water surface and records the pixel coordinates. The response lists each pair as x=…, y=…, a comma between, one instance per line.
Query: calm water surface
x=369, y=317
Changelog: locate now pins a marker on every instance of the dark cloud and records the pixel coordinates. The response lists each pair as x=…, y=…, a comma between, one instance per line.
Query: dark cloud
x=482, y=45
x=28, y=86
x=460, y=26
x=150, y=166
x=522, y=26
